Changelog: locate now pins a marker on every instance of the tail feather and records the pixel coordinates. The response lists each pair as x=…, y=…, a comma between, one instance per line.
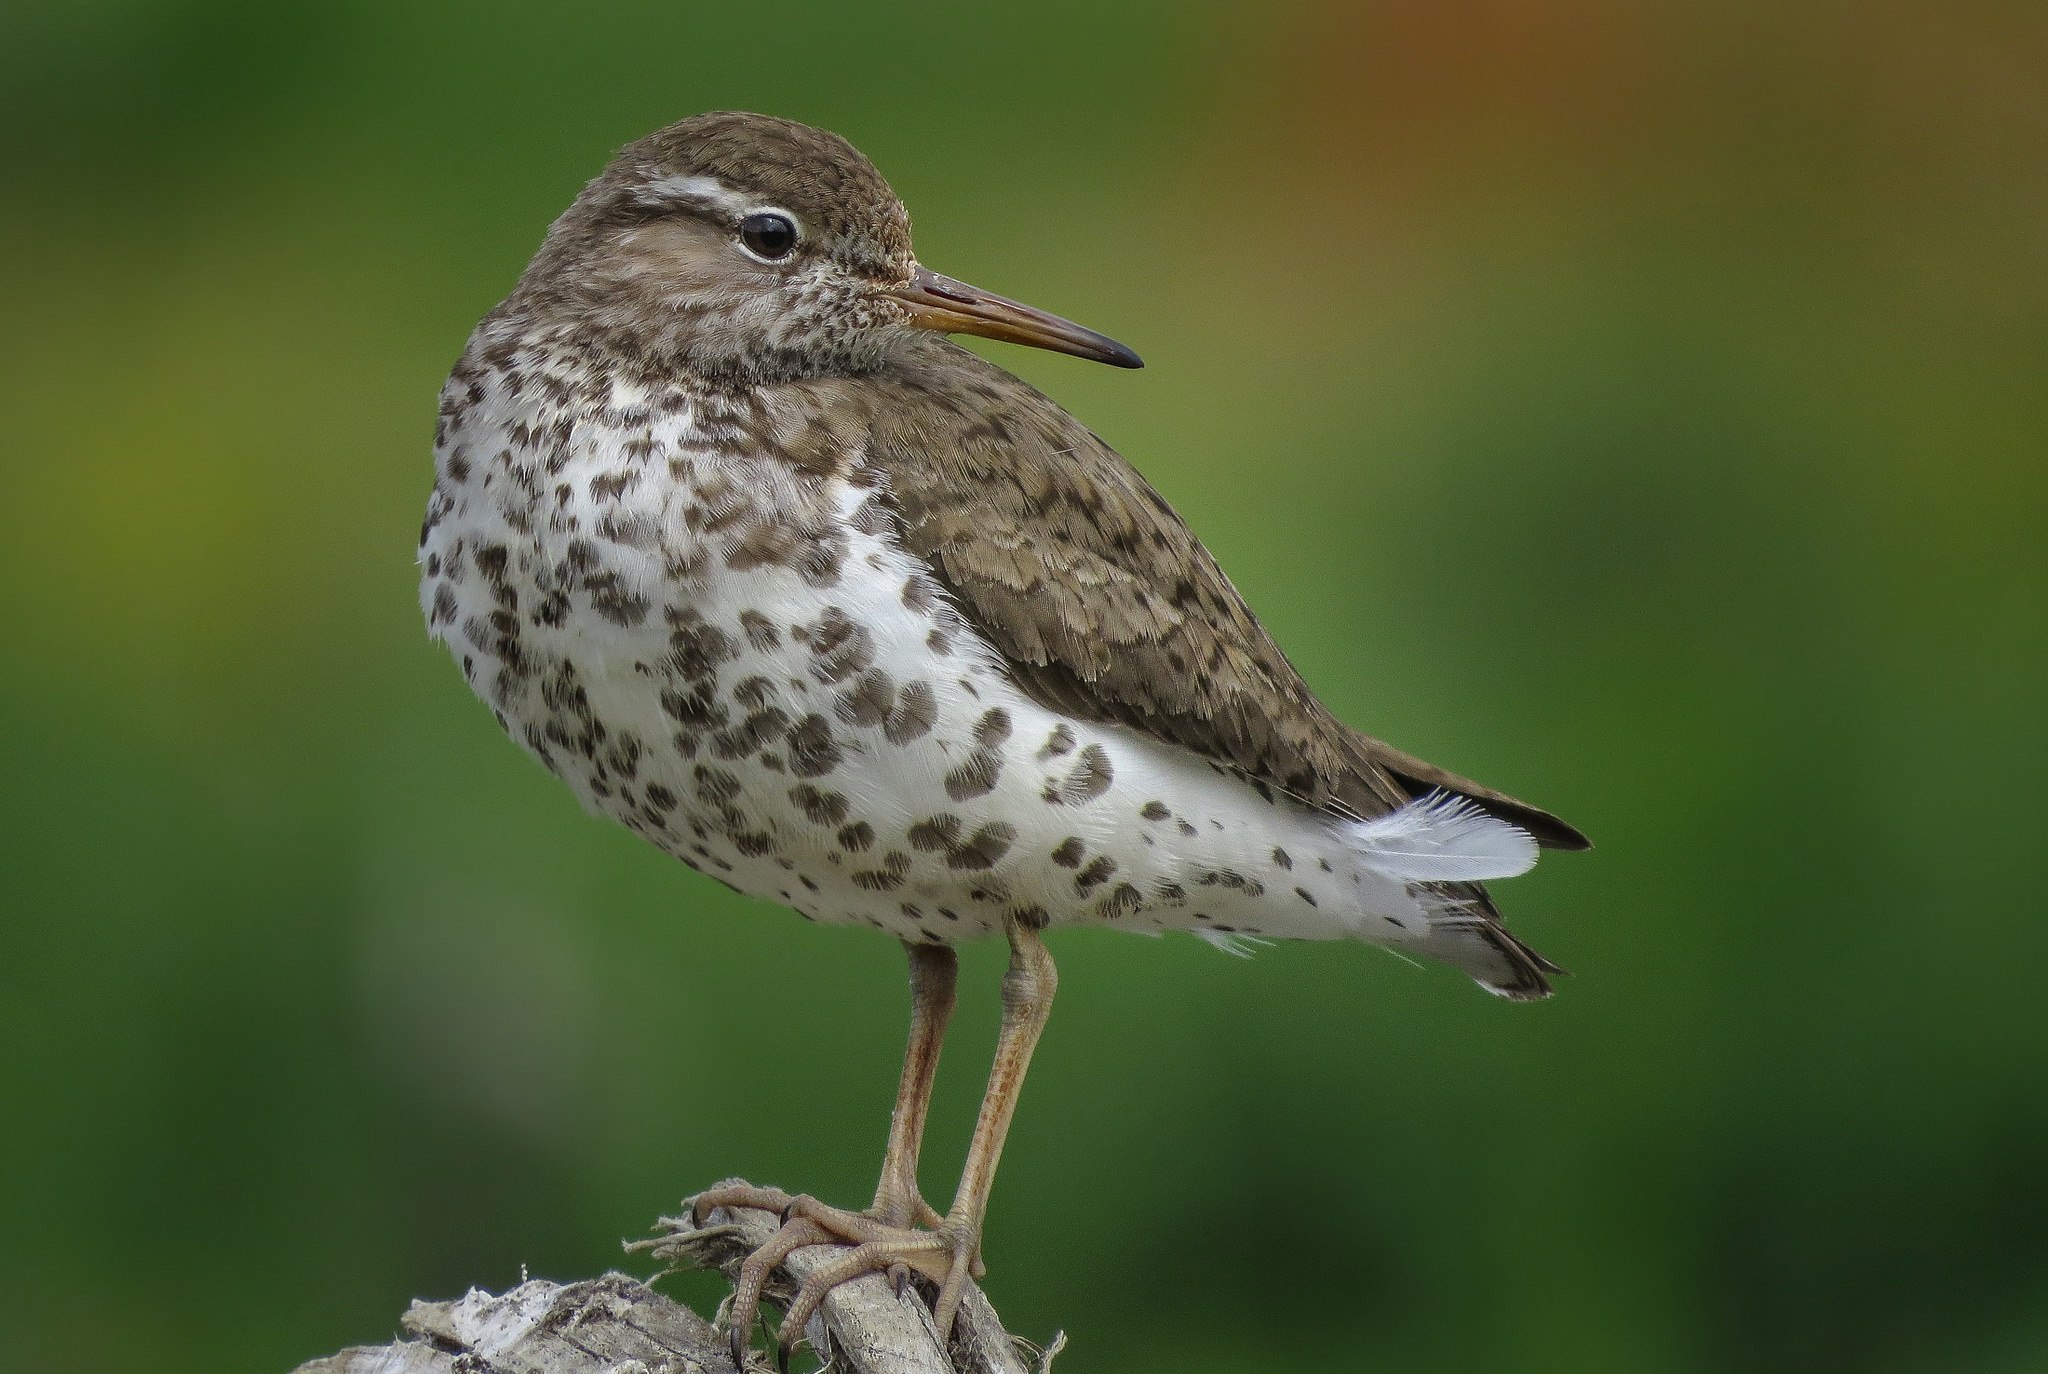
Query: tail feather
x=1466, y=932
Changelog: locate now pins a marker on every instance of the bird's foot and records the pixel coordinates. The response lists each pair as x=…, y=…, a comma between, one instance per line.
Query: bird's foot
x=943, y=1251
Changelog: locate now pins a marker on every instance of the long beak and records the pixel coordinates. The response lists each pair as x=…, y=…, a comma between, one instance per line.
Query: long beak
x=954, y=307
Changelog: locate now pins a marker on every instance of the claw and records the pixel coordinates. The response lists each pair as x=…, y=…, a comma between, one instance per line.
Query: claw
x=782, y=1354
x=899, y=1279
x=736, y=1341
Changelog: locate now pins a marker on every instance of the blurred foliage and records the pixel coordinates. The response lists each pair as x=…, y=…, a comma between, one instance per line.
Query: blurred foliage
x=1639, y=405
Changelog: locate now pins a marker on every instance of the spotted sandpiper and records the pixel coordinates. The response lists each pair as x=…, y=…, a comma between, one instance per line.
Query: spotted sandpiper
x=734, y=539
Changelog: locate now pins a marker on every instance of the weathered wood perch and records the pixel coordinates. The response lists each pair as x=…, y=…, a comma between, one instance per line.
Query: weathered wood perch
x=619, y=1325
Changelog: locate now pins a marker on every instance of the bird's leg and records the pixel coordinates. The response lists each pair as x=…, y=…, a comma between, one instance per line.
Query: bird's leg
x=1028, y=988
x=934, y=972
x=946, y=1254
x=898, y=1205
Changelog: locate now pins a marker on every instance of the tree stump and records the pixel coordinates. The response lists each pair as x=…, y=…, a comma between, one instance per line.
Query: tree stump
x=620, y=1325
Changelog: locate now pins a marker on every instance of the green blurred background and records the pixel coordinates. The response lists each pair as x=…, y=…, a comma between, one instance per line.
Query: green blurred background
x=1639, y=405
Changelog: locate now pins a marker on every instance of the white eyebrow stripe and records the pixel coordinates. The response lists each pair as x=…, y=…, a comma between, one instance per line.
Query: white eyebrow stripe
x=707, y=191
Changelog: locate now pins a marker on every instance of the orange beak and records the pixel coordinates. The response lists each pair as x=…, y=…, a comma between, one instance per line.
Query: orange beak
x=954, y=307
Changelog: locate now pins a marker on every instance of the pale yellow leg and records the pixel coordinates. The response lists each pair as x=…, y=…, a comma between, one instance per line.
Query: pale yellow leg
x=947, y=1253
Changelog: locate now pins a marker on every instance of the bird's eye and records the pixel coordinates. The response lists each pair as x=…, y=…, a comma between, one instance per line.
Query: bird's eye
x=769, y=236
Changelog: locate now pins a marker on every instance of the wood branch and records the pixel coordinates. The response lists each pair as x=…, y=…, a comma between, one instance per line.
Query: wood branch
x=619, y=1325
x=602, y=1326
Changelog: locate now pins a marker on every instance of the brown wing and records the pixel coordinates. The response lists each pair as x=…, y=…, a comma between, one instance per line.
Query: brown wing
x=1105, y=604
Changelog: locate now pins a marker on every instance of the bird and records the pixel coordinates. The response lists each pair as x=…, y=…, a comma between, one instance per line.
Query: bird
x=733, y=537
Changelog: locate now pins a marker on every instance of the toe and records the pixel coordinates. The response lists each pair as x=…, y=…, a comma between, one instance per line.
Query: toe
x=736, y=1195
x=947, y=1306
x=925, y=1254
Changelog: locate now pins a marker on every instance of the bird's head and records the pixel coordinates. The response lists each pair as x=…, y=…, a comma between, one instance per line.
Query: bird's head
x=753, y=249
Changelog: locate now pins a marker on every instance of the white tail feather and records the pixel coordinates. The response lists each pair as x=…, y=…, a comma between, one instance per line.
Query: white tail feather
x=1442, y=838
x=1240, y=946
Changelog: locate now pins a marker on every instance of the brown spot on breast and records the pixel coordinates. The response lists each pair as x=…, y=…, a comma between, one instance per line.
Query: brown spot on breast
x=1098, y=872
x=1231, y=878
x=696, y=649
x=976, y=776
x=812, y=750
x=695, y=709
x=820, y=559
x=634, y=531
x=983, y=848
x=839, y=647
x=934, y=833
x=553, y=608
x=1058, y=743
x=1090, y=778
x=760, y=630
x=1067, y=854
x=1154, y=811
x=1123, y=899
x=746, y=739
x=1282, y=857
x=753, y=844
x=715, y=786
x=888, y=877
x=766, y=543
x=610, y=598
x=868, y=701
x=916, y=710
x=820, y=807
x=993, y=728
x=920, y=593
x=856, y=837
x=625, y=755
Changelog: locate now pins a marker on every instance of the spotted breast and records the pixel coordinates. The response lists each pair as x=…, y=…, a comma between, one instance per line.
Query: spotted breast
x=698, y=609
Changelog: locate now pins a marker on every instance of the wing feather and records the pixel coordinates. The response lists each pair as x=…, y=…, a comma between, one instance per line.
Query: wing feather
x=1105, y=604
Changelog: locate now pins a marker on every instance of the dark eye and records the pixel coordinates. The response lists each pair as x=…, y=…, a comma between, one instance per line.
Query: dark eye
x=768, y=235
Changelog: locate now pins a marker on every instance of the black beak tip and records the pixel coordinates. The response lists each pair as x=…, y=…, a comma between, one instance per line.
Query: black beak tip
x=1119, y=356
